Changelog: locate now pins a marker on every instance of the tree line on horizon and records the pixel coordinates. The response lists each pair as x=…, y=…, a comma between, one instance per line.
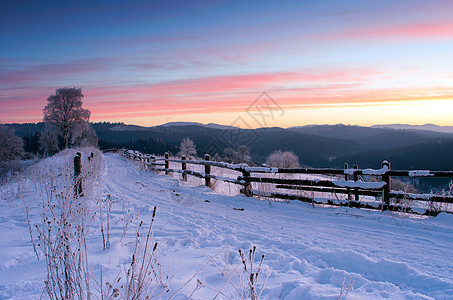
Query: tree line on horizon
x=65, y=125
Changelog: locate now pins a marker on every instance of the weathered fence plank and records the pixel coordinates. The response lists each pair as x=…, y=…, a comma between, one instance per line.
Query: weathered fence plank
x=167, y=163
x=308, y=182
x=184, y=167
x=78, y=192
x=386, y=189
x=207, y=170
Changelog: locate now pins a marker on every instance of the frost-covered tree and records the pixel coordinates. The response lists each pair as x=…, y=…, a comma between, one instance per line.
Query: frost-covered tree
x=187, y=148
x=11, y=146
x=283, y=159
x=64, y=113
x=84, y=136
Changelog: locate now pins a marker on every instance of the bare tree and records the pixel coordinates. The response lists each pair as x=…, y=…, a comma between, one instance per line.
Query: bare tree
x=242, y=155
x=229, y=155
x=187, y=148
x=11, y=146
x=65, y=114
x=286, y=159
x=217, y=157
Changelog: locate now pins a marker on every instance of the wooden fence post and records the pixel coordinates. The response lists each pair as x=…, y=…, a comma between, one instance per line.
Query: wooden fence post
x=207, y=170
x=77, y=171
x=183, y=168
x=346, y=178
x=248, y=185
x=356, y=177
x=167, y=163
x=386, y=188
x=153, y=160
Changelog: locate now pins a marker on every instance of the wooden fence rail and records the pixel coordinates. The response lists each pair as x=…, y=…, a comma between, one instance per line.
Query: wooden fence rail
x=345, y=181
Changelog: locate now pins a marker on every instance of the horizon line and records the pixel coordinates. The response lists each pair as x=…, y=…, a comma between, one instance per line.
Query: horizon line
x=185, y=123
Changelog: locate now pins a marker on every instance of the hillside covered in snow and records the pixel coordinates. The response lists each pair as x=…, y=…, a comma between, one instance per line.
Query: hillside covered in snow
x=310, y=252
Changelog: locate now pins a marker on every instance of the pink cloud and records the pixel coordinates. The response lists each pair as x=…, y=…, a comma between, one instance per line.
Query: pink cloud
x=220, y=94
x=238, y=102
x=236, y=83
x=43, y=72
x=417, y=30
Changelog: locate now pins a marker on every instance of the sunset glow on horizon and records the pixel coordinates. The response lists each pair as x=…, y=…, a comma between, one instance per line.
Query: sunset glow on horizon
x=350, y=62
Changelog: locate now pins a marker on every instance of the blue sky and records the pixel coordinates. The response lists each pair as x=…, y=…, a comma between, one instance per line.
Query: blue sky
x=146, y=62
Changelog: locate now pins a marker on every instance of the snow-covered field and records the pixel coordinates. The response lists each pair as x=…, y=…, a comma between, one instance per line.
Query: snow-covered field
x=311, y=253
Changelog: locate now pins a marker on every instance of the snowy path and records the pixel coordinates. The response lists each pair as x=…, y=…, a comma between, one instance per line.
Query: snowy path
x=311, y=251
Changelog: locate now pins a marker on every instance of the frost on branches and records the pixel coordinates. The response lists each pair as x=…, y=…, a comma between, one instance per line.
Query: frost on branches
x=187, y=148
x=285, y=159
x=64, y=117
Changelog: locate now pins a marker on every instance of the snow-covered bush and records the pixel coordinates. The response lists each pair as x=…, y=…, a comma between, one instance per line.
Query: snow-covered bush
x=286, y=159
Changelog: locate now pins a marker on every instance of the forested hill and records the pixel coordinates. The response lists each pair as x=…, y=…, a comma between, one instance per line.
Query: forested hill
x=316, y=146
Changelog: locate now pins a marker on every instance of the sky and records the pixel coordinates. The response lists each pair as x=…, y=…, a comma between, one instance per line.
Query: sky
x=243, y=63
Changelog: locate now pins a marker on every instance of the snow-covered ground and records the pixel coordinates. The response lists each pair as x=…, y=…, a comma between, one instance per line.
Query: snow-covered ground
x=311, y=253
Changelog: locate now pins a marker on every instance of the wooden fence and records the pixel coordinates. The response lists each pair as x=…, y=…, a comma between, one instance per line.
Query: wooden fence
x=347, y=181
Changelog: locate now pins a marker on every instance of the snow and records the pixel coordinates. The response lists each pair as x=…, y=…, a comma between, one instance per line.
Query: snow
x=420, y=173
x=378, y=172
x=310, y=252
x=359, y=184
x=350, y=171
x=412, y=195
x=261, y=169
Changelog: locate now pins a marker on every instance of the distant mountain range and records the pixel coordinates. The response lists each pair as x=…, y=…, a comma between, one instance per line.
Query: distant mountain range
x=427, y=146
x=306, y=128
x=431, y=127
x=210, y=125
x=374, y=138
x=426, y=127
x=122, y=127
x=316, y=145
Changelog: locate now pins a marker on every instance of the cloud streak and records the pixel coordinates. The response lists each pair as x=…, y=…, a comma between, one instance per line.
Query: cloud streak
x=436, y=30
x=153, y=60
x=227, y=94
x=52, y=71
